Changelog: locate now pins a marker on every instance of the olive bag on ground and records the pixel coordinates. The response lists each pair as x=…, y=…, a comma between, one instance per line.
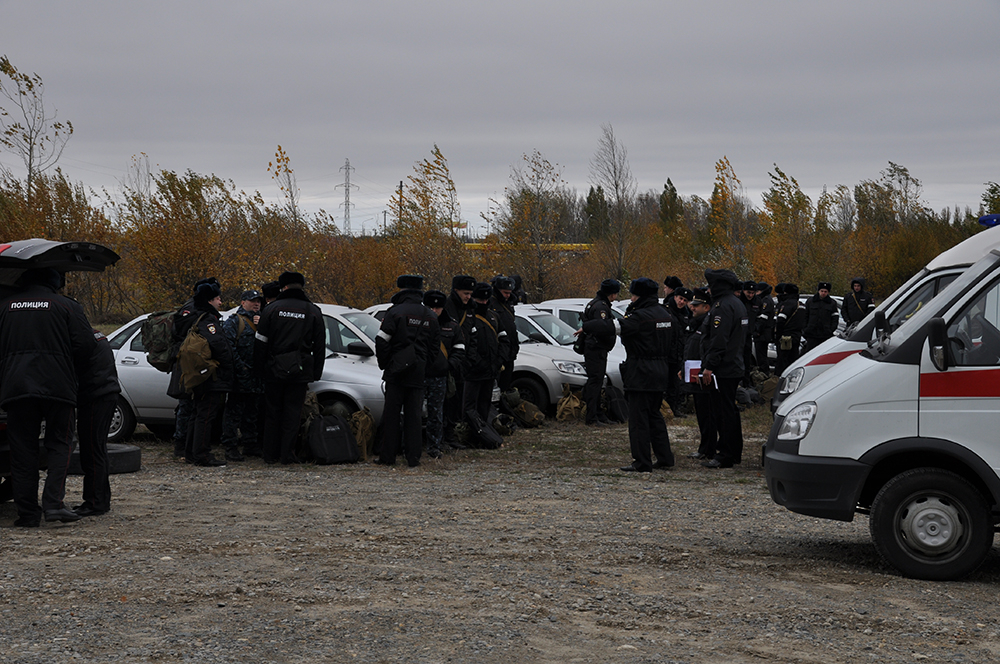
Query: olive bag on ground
x=525, y=413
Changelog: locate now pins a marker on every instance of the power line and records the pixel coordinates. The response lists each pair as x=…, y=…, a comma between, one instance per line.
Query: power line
x=347, y=195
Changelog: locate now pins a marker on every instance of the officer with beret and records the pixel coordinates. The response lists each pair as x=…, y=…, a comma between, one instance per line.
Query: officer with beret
x=596, y=348
x=722, y=367
x=406, y=344
x=289, y=351
x=647, y=332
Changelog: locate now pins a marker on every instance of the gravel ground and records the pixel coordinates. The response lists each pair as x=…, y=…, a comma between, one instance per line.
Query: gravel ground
x=539, y=552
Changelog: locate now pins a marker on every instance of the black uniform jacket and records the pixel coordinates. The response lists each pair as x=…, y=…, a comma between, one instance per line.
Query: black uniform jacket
x=100, y=377
x=822, y=315
x=45, y=344
x=452, y=349
x=599, y=309
x=764, y=326
x=724, y=333
x=408, y=340
x=791, y=317
x=857, y=305
x=485, y=344
x=291, y=339
x=647, y=332
x=504, y=311
x=209, y=322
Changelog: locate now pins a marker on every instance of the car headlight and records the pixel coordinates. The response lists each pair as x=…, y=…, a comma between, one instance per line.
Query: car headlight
x=567, y=367
x=798, y=422
x=792, y=380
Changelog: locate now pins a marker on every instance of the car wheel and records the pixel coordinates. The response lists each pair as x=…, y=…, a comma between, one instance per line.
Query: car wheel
x=121, y=459
x=532, y=390
x=931, y=524
x=122, y=422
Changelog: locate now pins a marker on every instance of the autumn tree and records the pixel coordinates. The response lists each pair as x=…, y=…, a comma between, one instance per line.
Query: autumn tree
x=782, y=252
x=991, y=199
x=427, y=223
x=732, y=223
x=282, y=173
x=610, y=170
x=25, y=127
x=597, y=214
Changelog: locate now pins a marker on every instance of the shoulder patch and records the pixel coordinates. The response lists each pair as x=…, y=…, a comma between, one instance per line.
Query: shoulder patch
x=211, y=328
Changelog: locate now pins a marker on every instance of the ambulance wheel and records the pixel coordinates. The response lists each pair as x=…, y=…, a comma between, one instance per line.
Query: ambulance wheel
x=931, y=524
x=122, y=422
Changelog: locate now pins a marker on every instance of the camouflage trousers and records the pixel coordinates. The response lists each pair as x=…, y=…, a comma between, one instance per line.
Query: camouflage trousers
x=435, y=390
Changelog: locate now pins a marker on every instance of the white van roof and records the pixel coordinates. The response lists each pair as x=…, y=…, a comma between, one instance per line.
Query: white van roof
x=967, y=251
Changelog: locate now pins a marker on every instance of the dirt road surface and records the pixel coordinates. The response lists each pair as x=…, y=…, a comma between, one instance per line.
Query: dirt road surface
x=539, y=552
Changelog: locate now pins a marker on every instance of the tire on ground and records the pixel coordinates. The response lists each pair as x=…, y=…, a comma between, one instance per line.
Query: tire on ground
x=121, y=459
x=931, y=524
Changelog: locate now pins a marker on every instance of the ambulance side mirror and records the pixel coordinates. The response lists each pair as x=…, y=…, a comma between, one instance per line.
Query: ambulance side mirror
x=879, y=323
x=937, y=338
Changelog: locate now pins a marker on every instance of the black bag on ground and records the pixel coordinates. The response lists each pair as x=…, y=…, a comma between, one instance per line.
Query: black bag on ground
x=616, y=406
x=332, y=441
x=483, y=435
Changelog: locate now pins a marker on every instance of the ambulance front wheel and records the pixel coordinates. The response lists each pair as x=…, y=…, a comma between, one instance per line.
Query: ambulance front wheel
x=931, y=524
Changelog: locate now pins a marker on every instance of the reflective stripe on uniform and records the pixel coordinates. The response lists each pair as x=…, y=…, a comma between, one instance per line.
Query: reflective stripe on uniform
x=260, y=337
x=618, y=328
x=458, y=346
x=384, y=336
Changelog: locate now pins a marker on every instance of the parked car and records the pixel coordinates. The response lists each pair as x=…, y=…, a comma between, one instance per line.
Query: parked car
x=351, y=377
x=570, y=309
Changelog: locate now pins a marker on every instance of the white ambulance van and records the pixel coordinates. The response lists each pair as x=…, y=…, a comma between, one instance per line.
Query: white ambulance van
x=908, y=432
x=898, y=307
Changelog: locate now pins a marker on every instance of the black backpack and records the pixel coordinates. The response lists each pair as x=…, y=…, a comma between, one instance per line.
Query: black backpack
x=332, y=441
x=616, y=406
x=483, y=435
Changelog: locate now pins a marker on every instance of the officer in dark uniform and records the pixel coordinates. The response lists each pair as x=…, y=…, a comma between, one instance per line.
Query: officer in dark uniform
x=290, y=350
x=748, y=296
x=677, y=304
x=647, y=332
x=407, y=342
x=208, y=398
x=459, y=306
x=858, y=303
x=485, y=347
x=447, y=363
x=822, y=315
x=45, y=342
x=764, y=328
x=788, y=325
x=596, y=348
x=701, y=304
x=96, y=401
x=722, y=346
x=239, y=418
x=502, y=304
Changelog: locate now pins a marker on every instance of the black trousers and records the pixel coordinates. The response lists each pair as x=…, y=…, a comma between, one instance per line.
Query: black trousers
x=409, y=401
x=786, y=357
x=478, y=396
x=205, y=416
x=93, y=419
x=283, y=405
x=646, y=429
x=24, y=422
x=596, y=362
x=727, y=419
x=709, y=444
x=760, y=349
x=506, y=377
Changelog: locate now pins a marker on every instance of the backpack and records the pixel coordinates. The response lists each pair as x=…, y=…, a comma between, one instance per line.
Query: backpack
x=157, y=334
x=332, y=441
x=570, y=406
x=363, y=426
x=616, y=406
x=195, y=358
x=483, y=435
x=525, y=413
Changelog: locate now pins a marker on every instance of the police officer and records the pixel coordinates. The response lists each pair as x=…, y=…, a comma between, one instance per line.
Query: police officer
x=701, y=304
x=596, y=348
x=44, y=337
x=407, y=342
x=764, y=328
x=822, y=315
x=239, y=420
x=459, y=306
x=447, y=363
x=289, y=352
x=748, y=296
x=647, y=332
x=209, y=397
x=858, y=303
x=722, y=367
x=502, y=304
x=788, y=325
x=677, y=304
x=485, y=347
x=96, y=401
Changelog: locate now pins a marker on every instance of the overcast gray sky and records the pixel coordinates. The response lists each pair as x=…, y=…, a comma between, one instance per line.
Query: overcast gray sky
x=830, y=91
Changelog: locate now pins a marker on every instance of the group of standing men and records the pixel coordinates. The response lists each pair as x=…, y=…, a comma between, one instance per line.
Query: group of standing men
x=54, y=367
x=447, y=351
x=265, y=356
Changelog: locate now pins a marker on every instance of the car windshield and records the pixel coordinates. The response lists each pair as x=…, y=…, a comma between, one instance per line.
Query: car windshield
x=119, y=339
x=555, y=328
x=364, y=322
